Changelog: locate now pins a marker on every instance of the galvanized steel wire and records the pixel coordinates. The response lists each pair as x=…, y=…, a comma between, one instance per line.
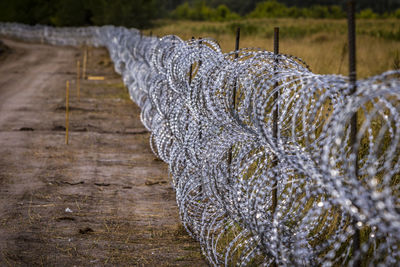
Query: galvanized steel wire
x=225, y=161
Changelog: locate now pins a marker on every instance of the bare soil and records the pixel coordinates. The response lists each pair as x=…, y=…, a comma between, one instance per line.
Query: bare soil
x=101, y=200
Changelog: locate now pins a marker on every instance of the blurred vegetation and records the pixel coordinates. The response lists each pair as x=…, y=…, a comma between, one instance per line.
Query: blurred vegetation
x=273, y=9
x=314, y=30
x=245, y=7
x=142, y=13
x=137, y=13
x=200, y=10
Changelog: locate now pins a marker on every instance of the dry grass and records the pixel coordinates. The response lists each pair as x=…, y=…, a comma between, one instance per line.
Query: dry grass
x=320, y=42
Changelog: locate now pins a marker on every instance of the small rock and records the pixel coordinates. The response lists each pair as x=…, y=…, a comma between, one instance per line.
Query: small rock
x=127, y=187
x=154, y=182
x=26, y=129
x=58, y=128
x=86, y=230
x=102, y=184
x=65, y=218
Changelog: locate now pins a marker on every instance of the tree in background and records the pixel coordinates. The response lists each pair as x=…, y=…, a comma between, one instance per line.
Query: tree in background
x=244, y=7
x=240, y=7
x=199, y=10
x=274, y=9
x=27, y=11
x=130, y=13
x=70, y=13
x=269, y=9
x=140, y=13
x=367, y=14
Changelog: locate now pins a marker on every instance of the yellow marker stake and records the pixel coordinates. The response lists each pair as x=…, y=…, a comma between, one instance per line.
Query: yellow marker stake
x=84, y=64
x=78, y=63
x=66, y=112
x=96, y=78
x=89, y=56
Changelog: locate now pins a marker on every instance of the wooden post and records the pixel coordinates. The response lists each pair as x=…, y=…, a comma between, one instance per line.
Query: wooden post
x=78, y=63
x=90, y=54
x=84, y=63
x=66, y=112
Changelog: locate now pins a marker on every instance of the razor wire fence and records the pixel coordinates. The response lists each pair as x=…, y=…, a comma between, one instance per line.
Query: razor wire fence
x=226, y=161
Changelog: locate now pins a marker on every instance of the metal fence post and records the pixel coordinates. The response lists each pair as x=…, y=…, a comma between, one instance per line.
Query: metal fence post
x=236, y=56
x=234, y=87
x=275, y=119
x=191, y=69
x=353, y=124
x=198, y=69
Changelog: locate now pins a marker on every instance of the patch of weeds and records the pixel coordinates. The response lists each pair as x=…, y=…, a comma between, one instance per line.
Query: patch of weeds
x=180, y=258
x=396, y=60
x=245, y=28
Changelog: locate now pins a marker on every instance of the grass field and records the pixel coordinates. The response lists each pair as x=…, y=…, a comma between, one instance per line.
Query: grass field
x=322, y=43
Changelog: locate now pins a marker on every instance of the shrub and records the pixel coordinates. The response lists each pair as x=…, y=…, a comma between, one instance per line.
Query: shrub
x=223, y=13
x=269, y=9
x=396, y=13
x=367, y=14
x=200, y=11
x=273, y=9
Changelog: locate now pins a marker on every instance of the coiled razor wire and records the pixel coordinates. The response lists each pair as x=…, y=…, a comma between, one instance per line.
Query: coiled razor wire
x=225, y=161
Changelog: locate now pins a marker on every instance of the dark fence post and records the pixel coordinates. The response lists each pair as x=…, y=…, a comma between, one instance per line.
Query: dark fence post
x=275, y=119
x=237, y=42
x=234, y=87
x=353, y=124
x=236, y=56
x=198, y=69
x=191, y=69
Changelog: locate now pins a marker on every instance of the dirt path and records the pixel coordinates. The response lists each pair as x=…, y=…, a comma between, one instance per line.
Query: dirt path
x=102, y=200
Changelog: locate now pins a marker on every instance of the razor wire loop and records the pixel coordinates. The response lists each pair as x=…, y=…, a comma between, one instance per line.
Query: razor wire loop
x=318, y=193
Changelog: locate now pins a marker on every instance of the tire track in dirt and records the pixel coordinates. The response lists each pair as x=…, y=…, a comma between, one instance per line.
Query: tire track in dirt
x=102, y=200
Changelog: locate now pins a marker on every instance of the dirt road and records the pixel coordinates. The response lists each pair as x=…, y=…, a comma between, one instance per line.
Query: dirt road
x=102, y=200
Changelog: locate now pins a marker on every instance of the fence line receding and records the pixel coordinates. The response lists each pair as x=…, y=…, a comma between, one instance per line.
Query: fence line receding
x=227, y=163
